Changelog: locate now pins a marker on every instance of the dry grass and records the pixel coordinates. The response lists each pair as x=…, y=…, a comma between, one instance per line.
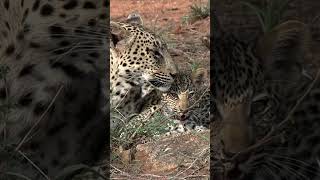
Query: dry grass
x=19, y=154
x=198, y=11
x=128, y=135
x=198, y=162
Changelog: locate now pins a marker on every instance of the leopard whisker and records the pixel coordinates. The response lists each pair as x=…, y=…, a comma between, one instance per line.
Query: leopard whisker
x=268, y=170
x=82, y=29
x=64, y=35
x=289, y=169
x=298, y=163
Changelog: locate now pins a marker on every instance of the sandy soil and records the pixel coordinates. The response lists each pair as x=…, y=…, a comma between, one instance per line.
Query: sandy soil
x=167, y=17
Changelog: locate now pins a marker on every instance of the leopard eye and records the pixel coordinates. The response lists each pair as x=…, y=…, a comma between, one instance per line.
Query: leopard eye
x=157, y=54
x=158, y=57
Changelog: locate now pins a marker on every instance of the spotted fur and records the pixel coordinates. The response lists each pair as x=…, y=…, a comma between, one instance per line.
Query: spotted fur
x=186, y=105
x=238, y=80
x=287, y=147
x=189, y=101
x=56, y=54
x=141, y=67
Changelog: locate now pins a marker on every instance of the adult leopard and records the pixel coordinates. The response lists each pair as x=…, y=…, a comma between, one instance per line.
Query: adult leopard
x=289, y=145
x=140, y=66
x=56, y=54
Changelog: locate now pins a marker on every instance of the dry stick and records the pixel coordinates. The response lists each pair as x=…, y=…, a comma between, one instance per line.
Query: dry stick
x=300, y=99
x=198, y=99
x=151, y=175
x=200, y=155
x=268, y=137
x=37, y=122
x=31, y=129
x=196, y=176
x=125, y=174
x=34, y=165
x=119, y=170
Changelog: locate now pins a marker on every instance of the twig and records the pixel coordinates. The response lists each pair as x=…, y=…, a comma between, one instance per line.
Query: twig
x=195, y=176
x=200, y=155
x=151, y=175
x=268, y=137
x=118, y=170
x=34, y=165
x=198, y=99
x=37, y=122
x=300, y=99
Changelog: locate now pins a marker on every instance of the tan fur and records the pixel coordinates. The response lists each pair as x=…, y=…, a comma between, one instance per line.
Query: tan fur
x=135, y=66
x=183, y=101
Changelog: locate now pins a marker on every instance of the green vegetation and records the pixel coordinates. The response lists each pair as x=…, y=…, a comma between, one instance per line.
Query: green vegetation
x=197, y=12
x=136, y=130
x=269, y=14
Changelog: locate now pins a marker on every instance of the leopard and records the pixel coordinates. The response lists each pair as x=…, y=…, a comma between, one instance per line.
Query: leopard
x=188, y=102
x=238, y=88
x=238, y=79
x=185, y=107
x=54, y=56
x=289, y=148
x=141, y=68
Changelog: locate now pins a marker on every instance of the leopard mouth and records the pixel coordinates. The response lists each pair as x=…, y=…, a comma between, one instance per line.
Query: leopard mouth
x=182, y=116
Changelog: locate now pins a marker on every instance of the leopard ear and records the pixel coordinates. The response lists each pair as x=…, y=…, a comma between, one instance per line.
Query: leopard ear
x=199, y=76
x=285, y=50
x=289, y=40
x=135, y=19
x=117, y=33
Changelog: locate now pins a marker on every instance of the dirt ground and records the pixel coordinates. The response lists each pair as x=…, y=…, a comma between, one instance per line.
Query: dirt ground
x=169, y=18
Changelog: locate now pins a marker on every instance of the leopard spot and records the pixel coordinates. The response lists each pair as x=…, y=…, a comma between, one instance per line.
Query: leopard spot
x=70, y=5
x=36, y=5
x=89, y=5
x=26, y=70
x=46, y=10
